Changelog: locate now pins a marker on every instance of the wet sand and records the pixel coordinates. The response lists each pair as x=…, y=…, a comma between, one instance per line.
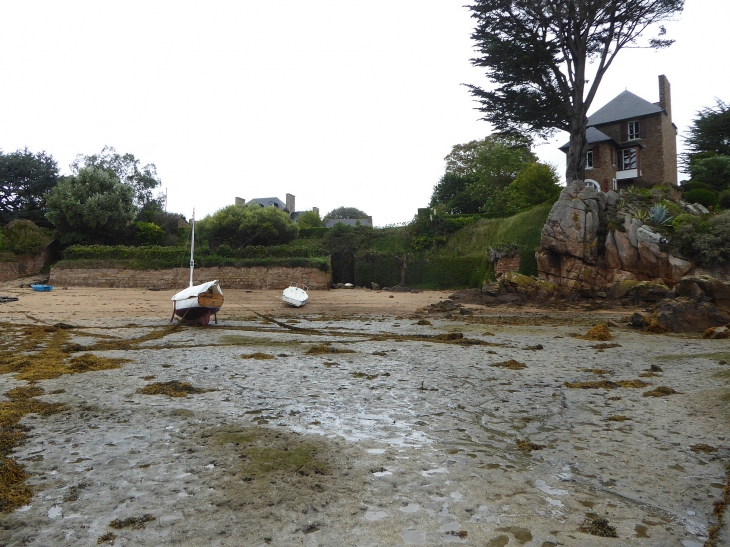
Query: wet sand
x=358, y=426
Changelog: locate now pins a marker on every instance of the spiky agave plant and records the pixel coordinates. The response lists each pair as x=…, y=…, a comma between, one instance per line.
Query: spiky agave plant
x=658, y=215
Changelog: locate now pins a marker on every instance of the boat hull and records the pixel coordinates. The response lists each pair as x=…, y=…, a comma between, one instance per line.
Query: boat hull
x=295, y=296
x=198, y=302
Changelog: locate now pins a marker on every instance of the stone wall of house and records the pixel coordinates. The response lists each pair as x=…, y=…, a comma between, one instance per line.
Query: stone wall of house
x=507, y=264
x=604, y=167
x=257, y=277
x=24, y=265
x=654, y=158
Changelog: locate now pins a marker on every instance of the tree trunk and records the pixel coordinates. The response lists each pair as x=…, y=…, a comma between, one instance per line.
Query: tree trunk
x=575, y=164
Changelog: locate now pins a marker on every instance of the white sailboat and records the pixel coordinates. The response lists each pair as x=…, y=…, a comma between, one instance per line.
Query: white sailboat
x=295, y=295
x=197, y=301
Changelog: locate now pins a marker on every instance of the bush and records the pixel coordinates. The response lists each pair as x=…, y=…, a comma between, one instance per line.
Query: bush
x=724, y=199
x=24, y=237
x=704, y=239
x=708, y=198
x=239, y=226
x=148, y=233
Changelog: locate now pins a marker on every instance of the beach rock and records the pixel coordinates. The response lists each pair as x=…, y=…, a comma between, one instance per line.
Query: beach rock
x=689, y=315
x=374, y=286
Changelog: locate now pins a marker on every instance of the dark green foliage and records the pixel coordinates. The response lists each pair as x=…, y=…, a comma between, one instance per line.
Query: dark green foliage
x=713, y=171
x=25, y=180
x=447, y=272
x=239, y=226
x=694, y=185
x=724, y=199
x=93, y=207
x=452, y=191
x=381, y=268
x=708, y=198
x=710, y=131
x=126, y=168
x=345, y=212
x=705, y=239
x=148, y=233
x=312, y=233
x=24, y=237
x=154, y=257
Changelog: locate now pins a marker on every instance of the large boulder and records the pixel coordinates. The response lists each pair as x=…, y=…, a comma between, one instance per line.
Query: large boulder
x=689, y=315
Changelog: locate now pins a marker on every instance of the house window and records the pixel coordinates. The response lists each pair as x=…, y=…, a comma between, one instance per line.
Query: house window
x=589, y=159
x=634, y=131
x=628, y=158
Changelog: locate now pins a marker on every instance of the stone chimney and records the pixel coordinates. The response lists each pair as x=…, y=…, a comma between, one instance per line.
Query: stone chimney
x=290, y=203
x=665, y=95
x=240, y=201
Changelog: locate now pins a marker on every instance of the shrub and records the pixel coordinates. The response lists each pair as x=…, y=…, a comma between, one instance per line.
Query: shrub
x=148, y=233
x=659, y=215
x=705, y=239
x=24, y=237
x=724, y=199
x=708, y=198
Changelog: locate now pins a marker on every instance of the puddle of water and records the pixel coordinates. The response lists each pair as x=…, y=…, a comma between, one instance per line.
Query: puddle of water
x=542, y=486
x=410, y=508
x=376, y=450
x=641, y=531
x=374, y=516
x=55, y=512
x=433, y=472
x=413, y=537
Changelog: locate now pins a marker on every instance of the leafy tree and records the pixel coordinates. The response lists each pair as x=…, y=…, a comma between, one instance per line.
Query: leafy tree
x=91, y=207
x=126, y=168
x=452, y=191
x=25, y=180
x=309, y=219
x=345, y=212
x=477, y=172
x=148, y=233
x=713, y=171
x=710, y=132
x=238, y=226
x=538, y=54
x=535, y=184
x=24, y=237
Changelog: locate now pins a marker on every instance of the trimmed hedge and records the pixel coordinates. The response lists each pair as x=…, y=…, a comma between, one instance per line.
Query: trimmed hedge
x=210, y=261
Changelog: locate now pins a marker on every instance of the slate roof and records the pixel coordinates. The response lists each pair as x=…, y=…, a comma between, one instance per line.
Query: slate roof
x=624, y=106
x=593, y=135
x=266, y=202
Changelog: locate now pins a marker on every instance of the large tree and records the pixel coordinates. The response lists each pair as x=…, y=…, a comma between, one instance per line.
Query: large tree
x=478, y=171
x=91, y=207
x=710, y=131
x=25, y=180
x=125, y=167
x=547, y=59
x=345, y=212
x=238, y=226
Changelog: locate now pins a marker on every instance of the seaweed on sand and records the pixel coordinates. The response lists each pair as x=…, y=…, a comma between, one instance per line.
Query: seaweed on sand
x=661, y=391
x=600, y=527
x=528, y=446
x=131, y=522
x=511, y=364
x=327, y=347
x=173, y=388
x=258, y=356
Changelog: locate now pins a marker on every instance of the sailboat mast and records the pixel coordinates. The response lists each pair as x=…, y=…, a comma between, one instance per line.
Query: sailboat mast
x=192, y=248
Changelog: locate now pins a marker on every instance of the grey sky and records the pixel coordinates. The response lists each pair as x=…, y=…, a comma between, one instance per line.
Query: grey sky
x=337, y=102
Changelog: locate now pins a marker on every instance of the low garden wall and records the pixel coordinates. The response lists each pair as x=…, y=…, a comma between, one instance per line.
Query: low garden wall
x=255, y=277
x=22, y=266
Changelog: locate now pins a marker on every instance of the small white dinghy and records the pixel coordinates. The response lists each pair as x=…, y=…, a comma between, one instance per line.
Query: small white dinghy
x=295, y=295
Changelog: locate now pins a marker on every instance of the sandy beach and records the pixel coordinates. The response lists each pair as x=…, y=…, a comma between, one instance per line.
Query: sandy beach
x=358, y=420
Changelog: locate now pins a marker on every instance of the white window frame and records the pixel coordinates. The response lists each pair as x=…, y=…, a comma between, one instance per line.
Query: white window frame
x=632, y=164
x=589, y=159
x=634, y=130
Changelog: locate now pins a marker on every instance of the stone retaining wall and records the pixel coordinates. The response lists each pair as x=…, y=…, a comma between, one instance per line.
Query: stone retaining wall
x=23, y=266
x=257, y=277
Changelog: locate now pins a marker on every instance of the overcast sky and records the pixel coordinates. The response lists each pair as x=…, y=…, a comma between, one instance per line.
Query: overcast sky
x=337, y=102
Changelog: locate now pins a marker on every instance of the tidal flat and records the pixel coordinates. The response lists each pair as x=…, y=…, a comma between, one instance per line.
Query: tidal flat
x=365, y=430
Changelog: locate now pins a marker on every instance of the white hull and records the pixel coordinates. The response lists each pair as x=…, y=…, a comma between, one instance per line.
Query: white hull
x=198, y=301
x=295, y=296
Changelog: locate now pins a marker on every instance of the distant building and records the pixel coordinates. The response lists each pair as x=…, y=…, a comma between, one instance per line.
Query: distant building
x=632, y=141
x=288, y=207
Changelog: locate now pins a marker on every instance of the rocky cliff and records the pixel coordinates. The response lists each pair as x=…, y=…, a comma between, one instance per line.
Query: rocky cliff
x=579, y=251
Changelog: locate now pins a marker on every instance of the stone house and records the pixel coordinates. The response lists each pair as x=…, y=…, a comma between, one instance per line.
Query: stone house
x=632, y=141
x=287, y=207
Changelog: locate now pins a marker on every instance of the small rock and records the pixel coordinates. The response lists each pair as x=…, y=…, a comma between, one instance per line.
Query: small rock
x=638, y=321
x=375, y=286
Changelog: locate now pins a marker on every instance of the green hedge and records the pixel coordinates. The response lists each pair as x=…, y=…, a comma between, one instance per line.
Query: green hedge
x=155, y=252
x=380, y=268
x=210, y=261
x=448, y=272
